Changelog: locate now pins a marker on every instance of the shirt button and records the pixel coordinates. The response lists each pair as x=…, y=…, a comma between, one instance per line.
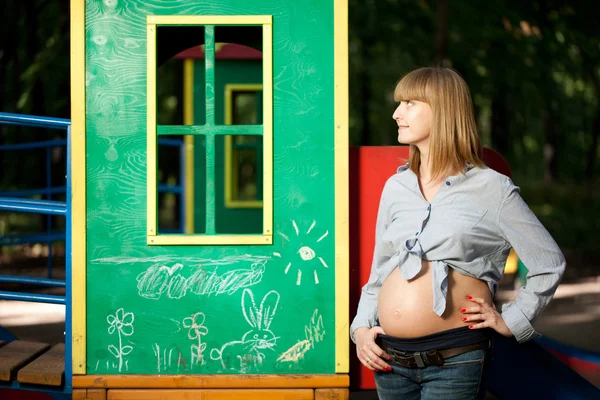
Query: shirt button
x=448, y=183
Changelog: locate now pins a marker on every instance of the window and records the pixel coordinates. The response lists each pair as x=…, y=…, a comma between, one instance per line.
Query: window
x=243, y=154
x=250, y=139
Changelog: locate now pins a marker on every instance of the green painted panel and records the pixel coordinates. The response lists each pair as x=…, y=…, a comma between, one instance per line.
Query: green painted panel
x=210, y=309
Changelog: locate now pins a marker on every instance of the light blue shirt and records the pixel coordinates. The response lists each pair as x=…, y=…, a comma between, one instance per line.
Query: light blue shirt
x=470, y=226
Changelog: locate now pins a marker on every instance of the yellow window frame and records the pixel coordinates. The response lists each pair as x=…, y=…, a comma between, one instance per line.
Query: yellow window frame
x=231, y=176
x=266, y=238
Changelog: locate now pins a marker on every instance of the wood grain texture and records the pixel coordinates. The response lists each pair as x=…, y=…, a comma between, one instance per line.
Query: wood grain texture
x=332, y=394
x=180, y=309
x=89, y=394
x=208, y=394
x=17, y=354
x=211, y=381
x=48, y=369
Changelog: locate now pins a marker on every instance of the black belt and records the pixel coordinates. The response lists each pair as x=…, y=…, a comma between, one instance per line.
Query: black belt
x=421, y=359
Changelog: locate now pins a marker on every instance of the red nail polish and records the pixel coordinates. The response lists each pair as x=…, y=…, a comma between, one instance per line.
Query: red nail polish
x=464, y=319
x=470, y=326
x=463, y=310
x=469, y=297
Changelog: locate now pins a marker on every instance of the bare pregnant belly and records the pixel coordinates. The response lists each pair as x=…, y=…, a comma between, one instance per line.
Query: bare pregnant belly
x=406, y=308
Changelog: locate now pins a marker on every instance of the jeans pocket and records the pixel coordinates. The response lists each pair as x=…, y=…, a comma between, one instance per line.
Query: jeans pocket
x=468, y=358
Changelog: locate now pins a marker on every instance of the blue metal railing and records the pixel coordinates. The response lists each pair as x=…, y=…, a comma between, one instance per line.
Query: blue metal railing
x=46, y=207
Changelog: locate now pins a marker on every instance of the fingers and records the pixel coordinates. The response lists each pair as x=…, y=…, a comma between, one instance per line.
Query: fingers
x=372, y=356
x=376, y=362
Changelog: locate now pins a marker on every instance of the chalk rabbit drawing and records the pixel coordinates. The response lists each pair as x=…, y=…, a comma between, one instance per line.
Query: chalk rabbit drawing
x=241, y=355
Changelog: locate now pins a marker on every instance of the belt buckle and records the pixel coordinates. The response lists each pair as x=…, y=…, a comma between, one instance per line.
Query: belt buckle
x=419, y=359
x=434, y=358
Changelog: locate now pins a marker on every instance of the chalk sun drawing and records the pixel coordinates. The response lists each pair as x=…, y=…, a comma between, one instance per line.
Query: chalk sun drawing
x=244, y=355
x=306, y=253
x=122, y=323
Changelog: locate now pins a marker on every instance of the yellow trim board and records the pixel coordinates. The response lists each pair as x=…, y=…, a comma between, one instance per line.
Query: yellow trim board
x=236, y=240
x=342, y=282
x=268, y=129
x=209, y=19
x=188, y=119
x=151, y=185
x=231, y=177
x=153, y=238
x=78, y=189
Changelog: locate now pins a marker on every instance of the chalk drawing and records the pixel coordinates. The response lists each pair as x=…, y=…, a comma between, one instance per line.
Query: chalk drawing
x=196, y=327
x=244, y=355
x=313, y=333
x=165, y=357
x=122, y=323
x=304, y=251
x=159, y=280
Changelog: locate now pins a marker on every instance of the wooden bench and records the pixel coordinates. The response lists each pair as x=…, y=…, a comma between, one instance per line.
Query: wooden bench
x=32, y=363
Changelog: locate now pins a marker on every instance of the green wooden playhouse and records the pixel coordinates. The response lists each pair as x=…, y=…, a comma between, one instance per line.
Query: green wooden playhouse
x=251, y=299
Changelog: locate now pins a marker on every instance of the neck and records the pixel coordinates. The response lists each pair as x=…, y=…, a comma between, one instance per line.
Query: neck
x=425, y=167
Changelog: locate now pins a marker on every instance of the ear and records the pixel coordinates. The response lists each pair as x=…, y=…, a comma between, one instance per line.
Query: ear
x=268, y=308
x=249, y=308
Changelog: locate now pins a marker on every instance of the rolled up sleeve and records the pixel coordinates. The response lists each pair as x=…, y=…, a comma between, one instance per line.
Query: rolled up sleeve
x=540, y=254
x=366, y=314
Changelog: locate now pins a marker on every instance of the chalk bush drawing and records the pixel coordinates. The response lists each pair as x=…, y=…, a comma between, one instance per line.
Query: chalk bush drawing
x=313, y=333
x=243, y=355
x=122, y=323
x=159, y=280
x=306, y=253
x=196, y=327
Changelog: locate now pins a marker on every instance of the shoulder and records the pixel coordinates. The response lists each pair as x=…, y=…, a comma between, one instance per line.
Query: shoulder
x=492, y=179
x=398, y=181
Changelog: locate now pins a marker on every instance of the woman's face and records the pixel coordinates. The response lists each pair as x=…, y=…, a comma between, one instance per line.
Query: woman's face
x=414, y=122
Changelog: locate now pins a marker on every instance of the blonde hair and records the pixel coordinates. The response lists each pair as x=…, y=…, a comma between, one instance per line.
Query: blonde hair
x=454, y=140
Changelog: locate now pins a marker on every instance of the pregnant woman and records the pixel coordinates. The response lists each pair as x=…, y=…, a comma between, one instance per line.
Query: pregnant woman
x=445, y=226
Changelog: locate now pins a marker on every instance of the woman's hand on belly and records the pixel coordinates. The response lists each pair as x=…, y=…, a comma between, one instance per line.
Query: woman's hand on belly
x=486, y=314
x=368, y=352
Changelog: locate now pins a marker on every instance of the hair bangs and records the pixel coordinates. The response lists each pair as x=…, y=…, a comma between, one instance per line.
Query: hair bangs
x=413, y=86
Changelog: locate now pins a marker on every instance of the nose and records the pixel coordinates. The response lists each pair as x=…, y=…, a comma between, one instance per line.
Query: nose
x=398, y=113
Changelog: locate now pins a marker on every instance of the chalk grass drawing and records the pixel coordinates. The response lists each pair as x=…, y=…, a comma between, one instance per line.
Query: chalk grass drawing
x=196, y=327
x=306, y=253
x=244, y=355
x=122, y=323
x=313, y=333
x=159, y=280
x=164, y=359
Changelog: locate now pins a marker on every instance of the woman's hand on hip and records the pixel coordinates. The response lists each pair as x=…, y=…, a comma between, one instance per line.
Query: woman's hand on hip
x=485, y=316
x=368, y=352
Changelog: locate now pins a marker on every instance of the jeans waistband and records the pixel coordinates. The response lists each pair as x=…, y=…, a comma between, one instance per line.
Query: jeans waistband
x=451, y=338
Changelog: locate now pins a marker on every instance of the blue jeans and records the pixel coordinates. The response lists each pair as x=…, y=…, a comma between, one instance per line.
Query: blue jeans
x=461, y=377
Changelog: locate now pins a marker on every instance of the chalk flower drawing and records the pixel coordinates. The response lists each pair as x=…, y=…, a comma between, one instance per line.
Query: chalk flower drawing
x=122, y=323
x=196, y=327
x=242, y=355
x=313, y=333
x=306, y=253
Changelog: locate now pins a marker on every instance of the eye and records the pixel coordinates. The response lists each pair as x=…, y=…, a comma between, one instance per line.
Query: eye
x=264, y=337
x=410, y=103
